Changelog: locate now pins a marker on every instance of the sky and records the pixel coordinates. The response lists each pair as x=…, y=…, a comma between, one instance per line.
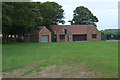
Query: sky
x=105, y=10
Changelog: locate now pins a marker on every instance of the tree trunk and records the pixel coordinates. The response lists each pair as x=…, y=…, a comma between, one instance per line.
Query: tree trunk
x=5, y=39
x=15, y=38
x=11, y=36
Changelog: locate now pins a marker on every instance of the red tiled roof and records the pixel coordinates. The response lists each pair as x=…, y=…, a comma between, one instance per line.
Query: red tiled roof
x=56, y=28
x=74, y=29
x=40, y=29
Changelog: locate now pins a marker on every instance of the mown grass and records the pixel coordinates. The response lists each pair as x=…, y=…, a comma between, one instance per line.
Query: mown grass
x=101, y=56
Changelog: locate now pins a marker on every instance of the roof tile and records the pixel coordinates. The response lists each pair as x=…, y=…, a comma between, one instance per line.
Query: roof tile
x=74, y=29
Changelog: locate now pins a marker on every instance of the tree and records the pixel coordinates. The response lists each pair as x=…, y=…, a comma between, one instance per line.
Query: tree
x=111, y=33
x=83, y=16
x=52, y=13
x=6, y=19
x=17, y=0
x=18, y=18
x=22, y=17
x=0, y=18
x=38, y=17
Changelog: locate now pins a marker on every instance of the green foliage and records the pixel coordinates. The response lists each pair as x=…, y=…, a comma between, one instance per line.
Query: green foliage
x=111, y=34
x=111, y=31
x=6, y=18
x=52, y=13
x=16, y=0
x=83, y=16
x=38, y=17
x=101, y=56
x=22, y=17
x=18, y=18
x=0, y=17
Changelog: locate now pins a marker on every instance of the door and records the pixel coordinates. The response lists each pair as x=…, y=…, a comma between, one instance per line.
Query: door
x=45, y=38
x=79, y=37
x=68, y=38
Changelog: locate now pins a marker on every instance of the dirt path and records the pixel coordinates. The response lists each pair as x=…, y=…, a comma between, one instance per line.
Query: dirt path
x=52, y=71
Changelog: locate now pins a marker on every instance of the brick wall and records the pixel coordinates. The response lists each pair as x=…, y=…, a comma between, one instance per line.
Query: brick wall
x=31, y=38
x=36, y=36
x=93, y=30
x=66, y=35
x=27, y=38
x=44, y=31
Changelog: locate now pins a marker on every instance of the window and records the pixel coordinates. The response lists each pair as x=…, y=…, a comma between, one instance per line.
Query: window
x=94, y=35
x=55, y=36
x=64, y=31
x=62, y=36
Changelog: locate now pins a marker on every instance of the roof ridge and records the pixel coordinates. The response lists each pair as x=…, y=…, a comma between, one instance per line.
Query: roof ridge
x=71, y=25
x=75, y=29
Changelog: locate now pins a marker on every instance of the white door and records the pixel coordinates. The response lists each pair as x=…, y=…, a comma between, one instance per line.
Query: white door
x=45, y=38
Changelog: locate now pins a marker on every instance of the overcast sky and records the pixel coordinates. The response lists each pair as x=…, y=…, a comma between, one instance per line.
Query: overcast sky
x=105, y=10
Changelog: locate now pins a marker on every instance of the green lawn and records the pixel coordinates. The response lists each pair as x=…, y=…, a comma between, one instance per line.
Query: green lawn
x=101, y=56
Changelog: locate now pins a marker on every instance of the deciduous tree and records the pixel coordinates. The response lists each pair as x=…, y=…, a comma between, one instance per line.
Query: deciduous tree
x=52, y=13
x=17, y=18
x=83, y=16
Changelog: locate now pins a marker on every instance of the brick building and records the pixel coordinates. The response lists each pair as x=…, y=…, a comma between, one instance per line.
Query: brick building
x=38, y=35
x=61, y=33
x=74, y=33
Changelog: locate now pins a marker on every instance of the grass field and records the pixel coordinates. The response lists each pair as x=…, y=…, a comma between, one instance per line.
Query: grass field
x=101, y=56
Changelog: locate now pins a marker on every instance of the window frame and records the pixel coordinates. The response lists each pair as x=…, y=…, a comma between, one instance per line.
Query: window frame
x=64, y=31
x=94, y=35
x=62, y=37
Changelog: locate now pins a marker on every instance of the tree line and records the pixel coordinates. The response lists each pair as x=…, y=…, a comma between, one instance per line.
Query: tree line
x=110, y=34
x=19, y=18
